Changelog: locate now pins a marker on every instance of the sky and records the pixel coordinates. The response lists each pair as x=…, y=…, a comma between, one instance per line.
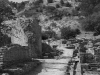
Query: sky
x=18, y=0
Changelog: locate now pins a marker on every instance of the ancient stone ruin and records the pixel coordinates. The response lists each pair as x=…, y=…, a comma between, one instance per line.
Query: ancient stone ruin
x=25, y=32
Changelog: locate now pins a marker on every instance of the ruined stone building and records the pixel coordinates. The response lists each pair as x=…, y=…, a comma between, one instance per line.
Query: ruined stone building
x=25, y=32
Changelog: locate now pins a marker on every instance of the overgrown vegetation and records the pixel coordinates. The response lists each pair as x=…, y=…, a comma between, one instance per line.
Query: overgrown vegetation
x=67, y=33
x=48, y=34
x=88, y=7
x=18, y=6
x=36, y=8
x=5, y=14
x=91, y=10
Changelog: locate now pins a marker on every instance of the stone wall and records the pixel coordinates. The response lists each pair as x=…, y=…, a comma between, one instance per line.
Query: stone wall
x=36, y=43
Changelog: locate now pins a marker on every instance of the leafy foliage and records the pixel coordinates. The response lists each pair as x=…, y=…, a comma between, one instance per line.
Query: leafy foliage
x=88, y=58
x=91, y=9
x=5, y=14
x=50, y=1
x=92, y=23
x=67, y=33
x=61, y=2
x=48, y=34
x=97, y=8
x=68, y=4
x=87, y=6
x=18, y=6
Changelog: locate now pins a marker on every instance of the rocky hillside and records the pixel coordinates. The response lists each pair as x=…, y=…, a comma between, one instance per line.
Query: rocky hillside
x=51, y=17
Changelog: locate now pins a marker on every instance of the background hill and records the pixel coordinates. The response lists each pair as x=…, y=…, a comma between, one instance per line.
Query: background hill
x=54, y=16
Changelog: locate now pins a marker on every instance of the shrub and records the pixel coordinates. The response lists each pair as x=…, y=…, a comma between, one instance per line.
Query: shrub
x=61, y=2
x=48, y=34
x=50, y=1
x=87, y=24
x=87, y=58
x=96, y=8
x=90, y=9
x=67, y=33
x=68, y=4
x=44, y=36
x=50, y=8
x=53, y=24
x=57, y=6
x=77, y=31
x=87, y=6
x=92, y=23
x=75, y=12
x=5, y=14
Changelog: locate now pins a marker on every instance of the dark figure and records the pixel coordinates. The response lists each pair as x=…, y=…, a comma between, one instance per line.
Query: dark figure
x=75, y=66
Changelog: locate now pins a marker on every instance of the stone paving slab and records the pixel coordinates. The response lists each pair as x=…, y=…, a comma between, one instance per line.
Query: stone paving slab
x=55, y=66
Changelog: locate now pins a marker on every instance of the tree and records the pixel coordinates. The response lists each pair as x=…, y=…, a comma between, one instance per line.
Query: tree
x=21, y=6
x=5, y=11
x=50, y=1
x=48, y=34
x=87, y=6
x=90, y=9
x=68, y=4
x=92, y=23
x=5, y=14
x=97, y=8
x=68, y=33
x=61, y=2
x=13, y=4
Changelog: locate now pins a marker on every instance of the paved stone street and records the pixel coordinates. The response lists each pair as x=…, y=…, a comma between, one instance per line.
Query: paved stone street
x=54, y=66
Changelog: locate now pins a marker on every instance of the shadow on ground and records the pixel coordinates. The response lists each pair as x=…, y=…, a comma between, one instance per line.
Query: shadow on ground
x=35, y=71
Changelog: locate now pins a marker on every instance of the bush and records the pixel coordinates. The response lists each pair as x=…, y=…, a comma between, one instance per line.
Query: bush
x=50, y=1
x=5, y=14
x=53, y=24
x=50, y=8
x=44, y=36
x=89, y=58
x=61, y=2
x=91, y=9
x=67, y=33
x=68, y=4
x=87, y=6
x=57, y=6
x=92, y=23
x=48, y=34
x=97, y=8
x=75, y=12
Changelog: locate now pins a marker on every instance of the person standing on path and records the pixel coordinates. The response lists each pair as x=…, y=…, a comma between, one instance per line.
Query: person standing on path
x=76, y=62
